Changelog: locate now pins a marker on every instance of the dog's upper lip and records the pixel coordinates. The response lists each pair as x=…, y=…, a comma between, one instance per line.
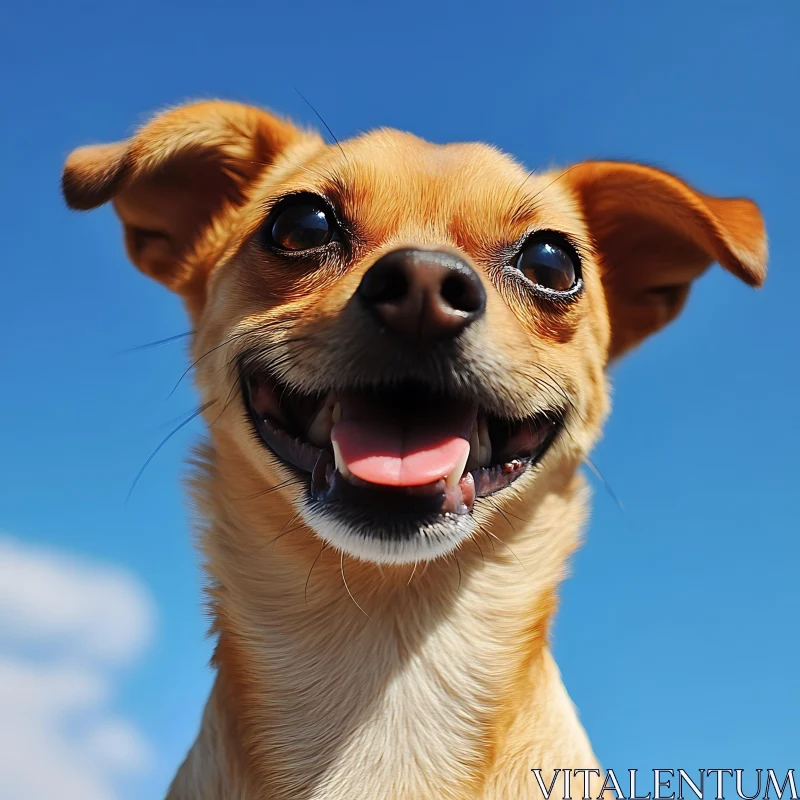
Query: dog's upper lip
x=402, y=440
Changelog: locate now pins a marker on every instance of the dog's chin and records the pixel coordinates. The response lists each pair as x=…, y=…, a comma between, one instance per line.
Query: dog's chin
x=394, y=472
x=383, y=539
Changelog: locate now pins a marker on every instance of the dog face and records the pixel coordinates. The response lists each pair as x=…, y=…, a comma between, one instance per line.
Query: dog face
x=389, y=331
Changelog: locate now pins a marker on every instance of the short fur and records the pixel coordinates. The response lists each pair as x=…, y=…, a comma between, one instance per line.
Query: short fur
x=338, y=677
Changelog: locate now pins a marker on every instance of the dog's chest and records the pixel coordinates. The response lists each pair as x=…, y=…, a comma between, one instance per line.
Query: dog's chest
x=377, y=718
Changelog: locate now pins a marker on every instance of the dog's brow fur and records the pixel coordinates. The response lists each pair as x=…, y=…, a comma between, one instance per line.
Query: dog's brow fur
x=346, y=668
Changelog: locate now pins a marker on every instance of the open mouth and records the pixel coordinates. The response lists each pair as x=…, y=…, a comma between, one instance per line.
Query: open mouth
x=397, y=450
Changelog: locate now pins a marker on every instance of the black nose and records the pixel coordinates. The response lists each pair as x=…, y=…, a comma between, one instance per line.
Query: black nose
x=423, y=295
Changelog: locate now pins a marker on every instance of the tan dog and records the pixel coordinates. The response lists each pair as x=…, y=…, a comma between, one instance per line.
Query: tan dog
x=401, y=350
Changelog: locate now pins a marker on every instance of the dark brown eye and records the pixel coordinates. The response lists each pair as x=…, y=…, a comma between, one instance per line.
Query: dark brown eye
x=549, y=263
x=302, y=224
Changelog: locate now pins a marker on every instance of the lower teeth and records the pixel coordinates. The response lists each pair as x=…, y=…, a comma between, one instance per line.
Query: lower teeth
x=341, y=464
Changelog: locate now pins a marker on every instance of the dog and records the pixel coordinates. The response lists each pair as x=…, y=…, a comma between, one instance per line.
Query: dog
x=401, y=351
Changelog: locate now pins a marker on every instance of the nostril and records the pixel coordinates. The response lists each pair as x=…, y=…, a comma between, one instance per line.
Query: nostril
x=385, y=286
x=461, y=293
x=395, y=287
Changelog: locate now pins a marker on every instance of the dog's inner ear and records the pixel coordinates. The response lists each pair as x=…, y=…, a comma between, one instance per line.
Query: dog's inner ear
x=179, y=174
x=654, y=236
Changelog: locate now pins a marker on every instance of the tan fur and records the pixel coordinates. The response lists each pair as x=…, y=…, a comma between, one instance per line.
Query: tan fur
x=338, y=678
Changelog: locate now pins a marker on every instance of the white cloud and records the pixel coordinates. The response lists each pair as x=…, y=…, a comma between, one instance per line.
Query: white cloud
x=66, y=627
x=44, y=595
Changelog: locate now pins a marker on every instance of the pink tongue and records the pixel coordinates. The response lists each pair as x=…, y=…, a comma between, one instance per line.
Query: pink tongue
x=390, y=448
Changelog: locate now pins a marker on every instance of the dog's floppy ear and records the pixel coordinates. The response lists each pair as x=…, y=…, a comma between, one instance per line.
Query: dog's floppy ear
x=655, y=235
x=179, y=173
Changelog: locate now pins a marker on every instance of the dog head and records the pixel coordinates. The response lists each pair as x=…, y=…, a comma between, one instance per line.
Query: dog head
x=397, y=329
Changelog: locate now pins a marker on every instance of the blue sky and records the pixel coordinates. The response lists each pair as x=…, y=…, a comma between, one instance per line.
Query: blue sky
x=677, y=634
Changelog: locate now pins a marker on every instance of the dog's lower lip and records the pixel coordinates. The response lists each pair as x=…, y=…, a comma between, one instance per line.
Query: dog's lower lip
x=327, y=484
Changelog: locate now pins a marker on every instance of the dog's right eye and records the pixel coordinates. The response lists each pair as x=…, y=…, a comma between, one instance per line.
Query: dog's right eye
x=301, y=223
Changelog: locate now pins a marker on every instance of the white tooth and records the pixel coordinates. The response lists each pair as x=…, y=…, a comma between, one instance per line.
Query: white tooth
x=319, y=431
x=455, y=476
x=474, y=448
x=340, y=463
x=337, y=413
x=485, y=446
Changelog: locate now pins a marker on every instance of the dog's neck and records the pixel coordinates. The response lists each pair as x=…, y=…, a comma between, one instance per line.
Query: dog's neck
x=335, y=676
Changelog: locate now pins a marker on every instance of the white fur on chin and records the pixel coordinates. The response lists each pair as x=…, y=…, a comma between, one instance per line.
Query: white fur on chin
x=427, y=546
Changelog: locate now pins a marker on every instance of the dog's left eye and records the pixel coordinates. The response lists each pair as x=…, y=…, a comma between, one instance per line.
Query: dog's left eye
x=302, y=223
x=547, y=262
